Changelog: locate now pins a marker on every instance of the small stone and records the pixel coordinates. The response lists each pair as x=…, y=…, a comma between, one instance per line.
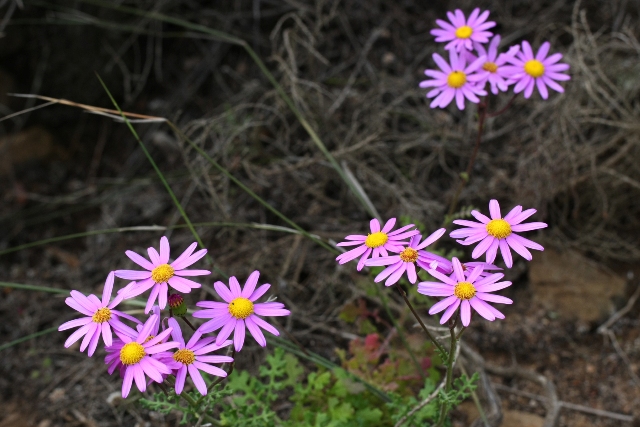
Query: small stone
x=521, y=419
x=57, y=395
x=574, y=286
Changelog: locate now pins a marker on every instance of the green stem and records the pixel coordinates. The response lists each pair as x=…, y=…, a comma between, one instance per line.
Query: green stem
x=444, y=409
x=405, y=343
x=415, y=314
x=206, y=417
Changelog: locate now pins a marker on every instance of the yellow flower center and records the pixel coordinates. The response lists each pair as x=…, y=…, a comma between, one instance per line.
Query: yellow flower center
x=131, y=353
x=464, y=32
x=162, y=273
x=409, y=255
x=241, y=308
x=498, y=228
x=101, y=315
x=490, y=67
x=464, y=290
x=375, y=240
x=534, y=68
x=184, y=356
x=456, y=79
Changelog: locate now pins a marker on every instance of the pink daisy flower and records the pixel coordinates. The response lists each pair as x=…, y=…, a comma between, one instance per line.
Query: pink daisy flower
x=133, y=352
x=540, y=71
x=456, y=80
x=239, y=310
x=465, y=292
x=461, y=32
x=160, y=274
x=377, y=243
x=100, y=318
x=191, y=358
x=497, y=232
x=404, y=261
x=493, y=70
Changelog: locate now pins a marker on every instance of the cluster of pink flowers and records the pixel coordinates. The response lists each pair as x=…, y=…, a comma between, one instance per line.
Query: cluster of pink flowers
x=465, y=285
x=144, y=350
x=471, y=65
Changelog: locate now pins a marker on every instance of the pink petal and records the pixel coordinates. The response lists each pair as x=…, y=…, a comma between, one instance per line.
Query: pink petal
x=223, y=291
x=152, y=298
x=506, y=253
x=238, y=335
x=226, y=330
x=197, y=380
x=493, y=250
x=494, y=209
x=177, y=264
x=139, y=260
x=482, y=218
x=489, y=279
x=78, y=334
x=74, y=323
x=492, y=287
x=264, y=325
x=441, y=305
x=255, y=331
x=76, y=306
x=411, y=272
x=449, y=312
x=107, y=337
x=132, y=274
x=481, y=308
x=154, y=256
x=259, y=292
x=435, y=290
x=516, y=246
x=180, y=379
x=465, y=313
x=189, y=273
x=126, y=383
x=94, y=329
x=527, y=243
x=528, y=227
x=352, y=254
x=363, y=259
x=84, y=301
x=494, y=298
x=395, y=276
x=164, y=250
x=250, y=284
x=482, y=247
x=213, y=370
x=374, y=225
x=389, y=225
x=457, y=269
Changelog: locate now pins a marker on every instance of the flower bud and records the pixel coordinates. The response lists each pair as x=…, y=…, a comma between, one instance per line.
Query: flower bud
x=177, y=305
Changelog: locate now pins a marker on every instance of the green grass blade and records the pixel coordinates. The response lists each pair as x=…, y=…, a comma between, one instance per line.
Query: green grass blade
x=161, y=176
x=28, y=337
x=263, y=68
x=150, y=228
x=34, y=288
x=248, y=190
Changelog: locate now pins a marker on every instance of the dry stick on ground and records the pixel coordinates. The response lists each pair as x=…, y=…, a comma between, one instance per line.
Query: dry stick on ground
x=492, y=406
x=572, y=406
x=604, y=330
x=552, y=403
